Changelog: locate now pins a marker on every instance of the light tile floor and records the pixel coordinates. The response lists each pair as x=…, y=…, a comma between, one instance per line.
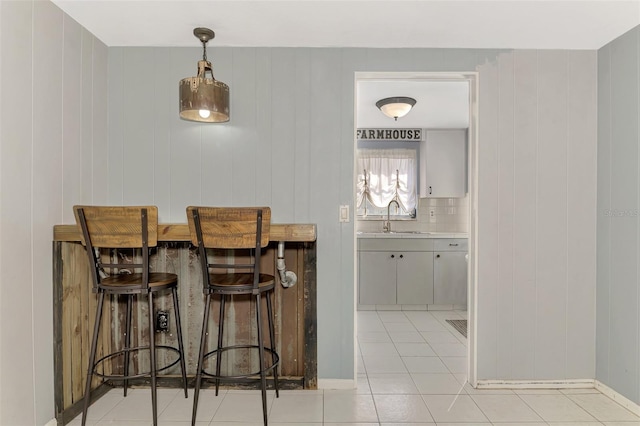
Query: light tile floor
x=411, y=372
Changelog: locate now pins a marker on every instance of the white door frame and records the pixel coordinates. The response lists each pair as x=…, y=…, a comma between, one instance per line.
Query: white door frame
x=472, y=302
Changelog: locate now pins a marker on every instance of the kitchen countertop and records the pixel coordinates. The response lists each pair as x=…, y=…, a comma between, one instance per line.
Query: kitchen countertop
x=411, y=234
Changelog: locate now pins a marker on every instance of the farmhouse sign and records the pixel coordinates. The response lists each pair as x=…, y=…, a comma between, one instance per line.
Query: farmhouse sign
x=389, y=134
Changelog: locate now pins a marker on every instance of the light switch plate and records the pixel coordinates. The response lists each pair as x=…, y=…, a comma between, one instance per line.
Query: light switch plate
x=344, y=213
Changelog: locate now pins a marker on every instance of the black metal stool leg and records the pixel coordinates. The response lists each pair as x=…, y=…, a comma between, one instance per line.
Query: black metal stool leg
x=203, y=338
x=272, y=341
x=220, y=331
x=263, y=374
x=152, y=361
x=127, y=341
x=92, y=358
x=176, y=307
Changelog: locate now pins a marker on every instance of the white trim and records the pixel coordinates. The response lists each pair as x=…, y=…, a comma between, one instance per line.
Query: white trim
x=51, y=422
x=474, y=93
x=537, y=384
x=617, y=397
x=336, y=384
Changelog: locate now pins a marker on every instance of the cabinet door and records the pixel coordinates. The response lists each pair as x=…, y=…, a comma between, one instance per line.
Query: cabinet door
x=449, y=278
x=443, y=164
x=415, y=278
x=377, y=278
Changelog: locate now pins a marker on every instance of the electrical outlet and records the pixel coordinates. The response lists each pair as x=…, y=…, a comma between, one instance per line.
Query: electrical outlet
x=432, y=215
x=162, y=321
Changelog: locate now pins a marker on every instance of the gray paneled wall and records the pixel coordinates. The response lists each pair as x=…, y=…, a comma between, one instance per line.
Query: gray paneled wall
x=290, y=145
x=53, y=141
x=618, y=285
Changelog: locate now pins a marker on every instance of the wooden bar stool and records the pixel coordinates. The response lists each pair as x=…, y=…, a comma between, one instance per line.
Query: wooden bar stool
x=233, y=229
x=130, y=230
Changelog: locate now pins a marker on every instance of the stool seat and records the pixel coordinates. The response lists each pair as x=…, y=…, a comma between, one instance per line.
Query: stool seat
x=157, y=281
x=240, y=281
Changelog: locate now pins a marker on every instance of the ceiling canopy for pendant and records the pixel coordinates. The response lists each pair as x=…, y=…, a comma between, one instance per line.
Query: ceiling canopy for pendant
x=202, y=98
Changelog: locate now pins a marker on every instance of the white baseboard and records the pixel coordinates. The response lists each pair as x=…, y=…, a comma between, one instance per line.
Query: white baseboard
x=536, y=384
x=336, y=384
x=620, y=399
x=51, y=422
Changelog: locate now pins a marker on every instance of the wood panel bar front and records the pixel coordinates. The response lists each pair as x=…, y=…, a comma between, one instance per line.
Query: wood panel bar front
x=74, y=312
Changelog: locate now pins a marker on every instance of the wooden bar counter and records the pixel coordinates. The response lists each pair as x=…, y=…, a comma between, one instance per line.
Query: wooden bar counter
x=75, y=304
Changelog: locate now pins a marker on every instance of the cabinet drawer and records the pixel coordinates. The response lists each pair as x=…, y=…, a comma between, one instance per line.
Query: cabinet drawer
x=451, y=244
x=395, y=244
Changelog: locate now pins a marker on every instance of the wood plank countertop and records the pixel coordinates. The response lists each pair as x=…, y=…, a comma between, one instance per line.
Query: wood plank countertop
x=180, y=232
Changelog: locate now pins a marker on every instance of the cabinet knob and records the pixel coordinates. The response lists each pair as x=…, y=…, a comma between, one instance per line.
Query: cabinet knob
x=437, y=256
x=401, y=256
x=393, y=255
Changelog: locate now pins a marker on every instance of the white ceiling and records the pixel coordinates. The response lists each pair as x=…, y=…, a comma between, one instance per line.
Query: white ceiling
x=540, y=24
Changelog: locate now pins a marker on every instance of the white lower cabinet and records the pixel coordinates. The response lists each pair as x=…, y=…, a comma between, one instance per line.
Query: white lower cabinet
x=414, y=285
x=449, y=278
x=412, y=271
x=391, y=274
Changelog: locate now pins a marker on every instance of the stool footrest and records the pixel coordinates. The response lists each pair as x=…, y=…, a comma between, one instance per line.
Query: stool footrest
x=133, y=376
x=274, y=354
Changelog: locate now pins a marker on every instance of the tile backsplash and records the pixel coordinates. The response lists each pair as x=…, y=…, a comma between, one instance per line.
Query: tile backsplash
x=434, y=215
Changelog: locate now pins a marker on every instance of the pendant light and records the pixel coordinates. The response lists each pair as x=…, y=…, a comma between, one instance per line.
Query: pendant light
x=202, y=98
x=395, y=107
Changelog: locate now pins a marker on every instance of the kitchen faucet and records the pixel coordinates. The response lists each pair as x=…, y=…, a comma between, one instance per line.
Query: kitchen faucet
x=386, y=227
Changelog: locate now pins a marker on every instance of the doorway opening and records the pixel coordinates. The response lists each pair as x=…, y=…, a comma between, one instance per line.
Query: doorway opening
x=436, y=95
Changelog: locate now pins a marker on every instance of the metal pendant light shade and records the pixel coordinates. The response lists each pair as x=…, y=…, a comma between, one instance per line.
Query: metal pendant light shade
x=203, y=98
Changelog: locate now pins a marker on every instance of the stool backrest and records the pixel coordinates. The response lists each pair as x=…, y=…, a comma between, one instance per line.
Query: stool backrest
x=229, y=227
x=127, y=227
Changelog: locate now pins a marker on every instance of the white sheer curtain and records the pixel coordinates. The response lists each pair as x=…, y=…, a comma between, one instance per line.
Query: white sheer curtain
x=387, y=174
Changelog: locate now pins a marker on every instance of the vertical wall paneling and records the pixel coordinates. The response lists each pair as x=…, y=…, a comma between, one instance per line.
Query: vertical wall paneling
x=302, y=162
x=488, y=231
x=116, y=96
x=46, y=193
x=581, y=213
x=16, y=370
x=86, y=111
x=324, y=180
x=164, y=101
x=505, y=216
x=248, y=107
x=283, y=132
x=624, y=224
x=186, y=140
x=525, y=222
x=71, y=117
x=238, y=163
x=218, y=141
x=138, y=123
x=618, y=329
x=603, y=246
x=100, y=123
x=551, y=215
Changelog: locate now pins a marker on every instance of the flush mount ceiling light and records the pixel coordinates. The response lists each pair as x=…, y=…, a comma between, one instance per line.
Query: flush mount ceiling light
x=201, y=98
x=395, y=107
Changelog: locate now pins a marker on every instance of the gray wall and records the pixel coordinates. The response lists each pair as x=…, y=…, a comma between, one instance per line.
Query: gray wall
x=290, y=145
x=53, y=139
x=618, y=288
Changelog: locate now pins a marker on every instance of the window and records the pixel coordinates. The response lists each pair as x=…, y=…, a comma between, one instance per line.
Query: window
x=385, y=175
